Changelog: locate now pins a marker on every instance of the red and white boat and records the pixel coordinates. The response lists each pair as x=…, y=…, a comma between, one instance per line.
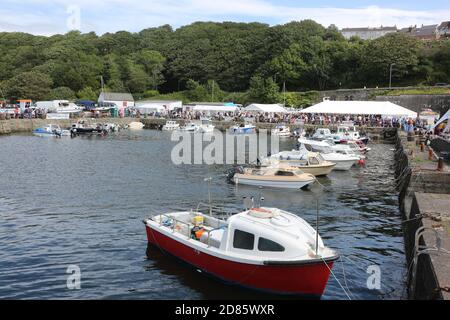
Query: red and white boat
x=266, y=249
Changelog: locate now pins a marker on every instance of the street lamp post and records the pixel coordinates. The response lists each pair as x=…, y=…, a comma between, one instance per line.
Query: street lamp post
x=390, y=75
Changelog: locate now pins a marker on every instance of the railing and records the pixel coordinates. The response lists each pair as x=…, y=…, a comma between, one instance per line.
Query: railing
x=175, y=222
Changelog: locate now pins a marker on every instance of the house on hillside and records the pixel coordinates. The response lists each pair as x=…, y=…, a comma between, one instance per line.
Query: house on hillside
x=425, y=33
x=368, y=33
x=444, y=30
x=120, y=100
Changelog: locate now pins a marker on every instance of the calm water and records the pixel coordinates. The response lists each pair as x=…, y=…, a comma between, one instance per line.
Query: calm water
x=81, y=201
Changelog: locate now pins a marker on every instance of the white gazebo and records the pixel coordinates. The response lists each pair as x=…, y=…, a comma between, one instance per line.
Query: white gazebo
x=383, y=108
x=161, y=106
x=265, y=108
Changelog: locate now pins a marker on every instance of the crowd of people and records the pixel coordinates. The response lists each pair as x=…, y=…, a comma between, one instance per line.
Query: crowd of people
x=244, y=116
x=300, y=118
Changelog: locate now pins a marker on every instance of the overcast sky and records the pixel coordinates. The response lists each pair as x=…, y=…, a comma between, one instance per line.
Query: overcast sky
x=47, y=17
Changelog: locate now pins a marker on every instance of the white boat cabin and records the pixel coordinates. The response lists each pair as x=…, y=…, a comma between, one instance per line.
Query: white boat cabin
x=255, y=234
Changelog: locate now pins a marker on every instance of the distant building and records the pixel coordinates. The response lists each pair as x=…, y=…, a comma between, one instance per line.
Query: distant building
x=444, y=30
x=121, y=100
x=426, y=33
x=368, y=33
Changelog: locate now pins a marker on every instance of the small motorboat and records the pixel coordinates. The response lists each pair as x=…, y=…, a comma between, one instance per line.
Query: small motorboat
x=135, y=125
x=242, y=129
x=206, y=126
x=281, y=131
x=170, y=126
x=265, y=249
x=345, y=133
x=81, y=128
x=51, y=130
x=190, y=127
x=343, y=162
x=308, y=162
x=274, y=177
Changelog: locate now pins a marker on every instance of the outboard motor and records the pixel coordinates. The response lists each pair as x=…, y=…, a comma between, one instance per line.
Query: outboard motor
x=232, y=172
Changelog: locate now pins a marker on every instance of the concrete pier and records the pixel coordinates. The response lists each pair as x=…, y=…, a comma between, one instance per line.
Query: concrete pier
x=28, y=125
x=424, y=199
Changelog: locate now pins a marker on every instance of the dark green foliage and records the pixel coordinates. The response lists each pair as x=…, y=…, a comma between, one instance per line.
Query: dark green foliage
x=235, y=57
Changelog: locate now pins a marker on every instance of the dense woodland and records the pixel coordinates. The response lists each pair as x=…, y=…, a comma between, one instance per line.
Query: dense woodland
x=213, y=61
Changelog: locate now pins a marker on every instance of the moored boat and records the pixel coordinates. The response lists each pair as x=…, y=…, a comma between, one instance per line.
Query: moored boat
x=51, y=130
x=281, y=131
x=170, y=126
x=308, y=162
x=274, y=177
x=242, y=129
x=343, y=162
x=206, y=126
x=265, y=249
x=189, y=127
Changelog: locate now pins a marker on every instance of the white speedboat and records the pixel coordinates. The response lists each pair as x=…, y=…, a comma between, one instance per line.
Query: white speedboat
x=243, y=129
x=343, y=162
x=322, y=134
x=345, y=133
x=190, y=127
x=281, y=131
x=206, y=126
x=308, y=162
x=171, y=125
x=274, y=177
x=265, y=249
x=51, y=130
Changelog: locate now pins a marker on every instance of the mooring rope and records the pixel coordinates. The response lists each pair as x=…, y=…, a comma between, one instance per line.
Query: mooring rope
x=337, y=280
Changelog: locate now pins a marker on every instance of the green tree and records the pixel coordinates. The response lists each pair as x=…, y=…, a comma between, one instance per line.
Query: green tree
x=62, y=93
x=29, y=85
x=378, y=55
x=88, y=93
x=264, y=90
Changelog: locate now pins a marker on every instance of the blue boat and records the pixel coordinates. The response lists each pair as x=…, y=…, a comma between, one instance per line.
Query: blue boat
x=243, y=129
x=51, y=130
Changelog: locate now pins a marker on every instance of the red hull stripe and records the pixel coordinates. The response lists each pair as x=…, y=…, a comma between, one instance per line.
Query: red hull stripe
x=309, y=279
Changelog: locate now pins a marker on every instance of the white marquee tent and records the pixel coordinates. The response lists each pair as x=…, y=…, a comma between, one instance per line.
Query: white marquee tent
x=383, y=108
x=215, y=108
x=157, y=106
x=267, y=108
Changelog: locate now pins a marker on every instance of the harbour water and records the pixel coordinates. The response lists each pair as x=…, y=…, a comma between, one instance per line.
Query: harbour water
x=81, y=202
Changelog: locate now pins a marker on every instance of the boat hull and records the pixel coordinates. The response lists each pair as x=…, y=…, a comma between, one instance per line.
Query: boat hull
x=271, y=183
x=317, y=171
x=294, y=279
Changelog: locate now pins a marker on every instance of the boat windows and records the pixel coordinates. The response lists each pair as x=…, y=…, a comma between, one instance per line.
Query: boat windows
x=313, y=161
x=269, y=245
x=243, y=240
x=284, y=173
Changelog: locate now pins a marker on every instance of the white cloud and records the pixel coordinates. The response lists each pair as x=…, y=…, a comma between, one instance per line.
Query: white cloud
x=113, y=15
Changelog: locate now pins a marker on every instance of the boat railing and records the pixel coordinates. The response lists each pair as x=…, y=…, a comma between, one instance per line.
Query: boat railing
x=209, y=235
x=175, y=222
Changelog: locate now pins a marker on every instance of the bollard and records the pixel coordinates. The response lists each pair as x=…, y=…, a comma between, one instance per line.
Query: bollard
x=430, y=154
x=440, y=164
x=422, y=147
